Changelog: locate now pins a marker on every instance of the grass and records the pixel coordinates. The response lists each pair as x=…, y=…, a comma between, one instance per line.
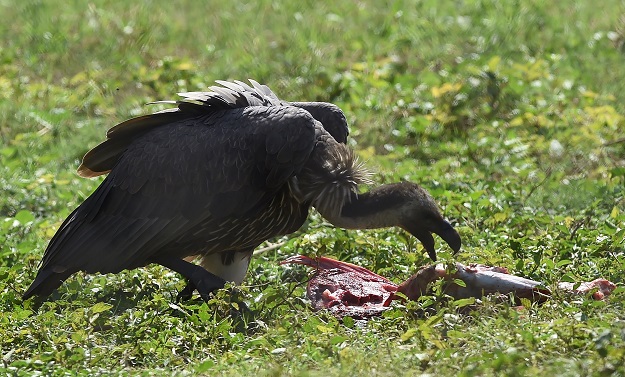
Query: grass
x=509, y=113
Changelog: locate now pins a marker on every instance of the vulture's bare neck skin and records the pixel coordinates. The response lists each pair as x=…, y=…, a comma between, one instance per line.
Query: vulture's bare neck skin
x=382, y=207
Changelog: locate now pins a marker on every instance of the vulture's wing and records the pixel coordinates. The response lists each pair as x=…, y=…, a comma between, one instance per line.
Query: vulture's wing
x=230, y=95
x=330, y=115
x=173, y=177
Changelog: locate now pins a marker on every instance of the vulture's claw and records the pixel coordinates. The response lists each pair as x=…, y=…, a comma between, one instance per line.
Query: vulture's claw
x=205, y=285
x=186, y=293
x=200, y=279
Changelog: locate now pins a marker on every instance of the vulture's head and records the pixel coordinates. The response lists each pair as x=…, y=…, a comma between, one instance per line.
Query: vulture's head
x=420, y=216
x=408, y=206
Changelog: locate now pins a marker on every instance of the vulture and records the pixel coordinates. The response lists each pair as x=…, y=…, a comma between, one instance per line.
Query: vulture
x=214, y=177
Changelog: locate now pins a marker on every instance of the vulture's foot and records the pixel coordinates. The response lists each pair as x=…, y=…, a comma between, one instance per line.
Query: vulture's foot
x=199, y=279
x=186, y=293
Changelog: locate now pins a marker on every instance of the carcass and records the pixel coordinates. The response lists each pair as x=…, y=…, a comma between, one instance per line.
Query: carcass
x=349, y=290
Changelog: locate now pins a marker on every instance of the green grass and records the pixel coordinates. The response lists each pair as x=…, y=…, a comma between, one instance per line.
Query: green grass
x=510, y=113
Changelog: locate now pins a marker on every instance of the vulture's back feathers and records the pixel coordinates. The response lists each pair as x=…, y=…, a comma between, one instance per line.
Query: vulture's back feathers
x=101, y=159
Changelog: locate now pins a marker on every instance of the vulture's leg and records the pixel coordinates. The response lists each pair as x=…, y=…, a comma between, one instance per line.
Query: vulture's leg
x=187, y=292
x=200, y=279
x=231, y=265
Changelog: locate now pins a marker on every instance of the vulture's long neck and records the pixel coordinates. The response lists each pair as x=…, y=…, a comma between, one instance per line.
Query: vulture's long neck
x=381, y=207
x=329, y=181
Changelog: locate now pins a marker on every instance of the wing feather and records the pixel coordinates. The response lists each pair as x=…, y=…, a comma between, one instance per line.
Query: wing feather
x=101, y=159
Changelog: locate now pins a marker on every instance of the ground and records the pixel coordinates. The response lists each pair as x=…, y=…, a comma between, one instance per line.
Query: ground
x=509, y=113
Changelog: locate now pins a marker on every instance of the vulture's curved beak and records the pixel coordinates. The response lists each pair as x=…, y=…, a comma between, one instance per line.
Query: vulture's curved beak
x=450, y=235
x=443, y=229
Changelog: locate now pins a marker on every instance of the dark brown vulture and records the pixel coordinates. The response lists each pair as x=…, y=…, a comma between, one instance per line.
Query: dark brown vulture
x=215, y=177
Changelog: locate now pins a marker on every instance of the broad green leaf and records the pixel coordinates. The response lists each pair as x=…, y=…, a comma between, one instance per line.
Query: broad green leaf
x=100, y=307
x=409, y=334
x=24, y=216
x=464, y=302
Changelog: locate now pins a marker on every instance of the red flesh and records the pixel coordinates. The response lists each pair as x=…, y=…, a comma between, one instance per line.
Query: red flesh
x=346, y=289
